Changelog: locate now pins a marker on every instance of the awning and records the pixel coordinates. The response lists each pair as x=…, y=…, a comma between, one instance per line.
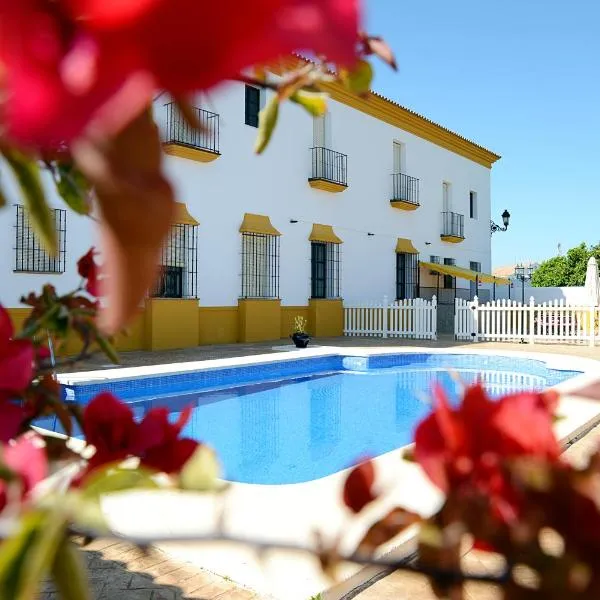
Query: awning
x=324, y=233
x=462, y=273
x=258, y=224
x=182, y=215
x=405, y=246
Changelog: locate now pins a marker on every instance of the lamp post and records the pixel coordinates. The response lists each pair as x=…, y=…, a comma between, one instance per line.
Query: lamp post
x=523, y=273
x=494, y=228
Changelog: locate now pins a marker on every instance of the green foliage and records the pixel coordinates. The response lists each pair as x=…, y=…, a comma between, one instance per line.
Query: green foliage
x=266, y=124
x=565, y=271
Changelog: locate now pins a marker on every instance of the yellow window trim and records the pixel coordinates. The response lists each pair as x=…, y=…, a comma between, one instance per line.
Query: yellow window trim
x=258, y=224
x=462, y=273
x=405, y=246
x=182, y=215
x=324, y=233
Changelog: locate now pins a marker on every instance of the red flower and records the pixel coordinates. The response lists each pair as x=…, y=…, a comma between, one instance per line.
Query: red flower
x=69, y=62
x=26, y=459
x=16, y=359
x=88, y=269
x=464, y=448
x=358, y=489
x=109, y=425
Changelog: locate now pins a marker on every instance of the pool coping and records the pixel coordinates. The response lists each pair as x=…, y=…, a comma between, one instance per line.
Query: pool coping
x=328, y=488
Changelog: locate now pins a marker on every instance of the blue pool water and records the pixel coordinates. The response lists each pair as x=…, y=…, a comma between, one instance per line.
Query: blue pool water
x=300, y=426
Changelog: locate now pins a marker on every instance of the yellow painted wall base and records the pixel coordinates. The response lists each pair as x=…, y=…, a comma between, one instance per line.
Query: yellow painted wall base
x=218, y=325
x=288, y=315
x=326, y=318
x=326, y=185
x=197, y=154
x=452, y=239
x=171, y=323
x=259, y=320
x=404, y=205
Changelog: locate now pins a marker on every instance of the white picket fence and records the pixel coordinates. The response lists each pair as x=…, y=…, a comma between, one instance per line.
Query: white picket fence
x=511, y=321
x=415, y=319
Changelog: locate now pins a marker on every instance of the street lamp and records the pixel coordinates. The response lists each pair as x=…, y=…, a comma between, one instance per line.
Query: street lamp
x=505, y=220
x=523, y=273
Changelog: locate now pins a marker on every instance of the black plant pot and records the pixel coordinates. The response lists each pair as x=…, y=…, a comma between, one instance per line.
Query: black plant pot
x=300, y=339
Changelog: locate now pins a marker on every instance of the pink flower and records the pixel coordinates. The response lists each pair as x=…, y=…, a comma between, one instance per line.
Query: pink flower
x=16, y=358
x=70, y=62
x=109, y=425
x=26, y=459
x=88, y=269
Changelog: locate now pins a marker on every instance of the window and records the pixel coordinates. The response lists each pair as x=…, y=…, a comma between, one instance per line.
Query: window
x=474, y=266
x=325, y=270
x=435, y=259
x=260, y=265
x=322, y=131
x=252, y=105
x=30, y=254
x=398, y=158
x=446, y=196
x=407, y=276
x=473, y=205
x=178, y=264
x=449, y=281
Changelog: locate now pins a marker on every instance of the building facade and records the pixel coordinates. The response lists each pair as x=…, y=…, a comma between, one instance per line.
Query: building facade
x=338, y=209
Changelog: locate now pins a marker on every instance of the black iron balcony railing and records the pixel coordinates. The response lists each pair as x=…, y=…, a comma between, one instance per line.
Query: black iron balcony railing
x=405, y=188
x=453, y=225
x=179, y=131
x=329, y=165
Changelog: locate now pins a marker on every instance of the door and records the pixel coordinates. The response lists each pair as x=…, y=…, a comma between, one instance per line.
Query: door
x=446, y=197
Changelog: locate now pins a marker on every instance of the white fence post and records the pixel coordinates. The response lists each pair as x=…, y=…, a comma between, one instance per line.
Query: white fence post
x=532, y=320
x=433, y=318
x=592, y=322
x=475, y=308
x=384, y=322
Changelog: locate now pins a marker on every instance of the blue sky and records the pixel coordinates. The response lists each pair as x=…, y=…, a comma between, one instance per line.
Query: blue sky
x=522, y=78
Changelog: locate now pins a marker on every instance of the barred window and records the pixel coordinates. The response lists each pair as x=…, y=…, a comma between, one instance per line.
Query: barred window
x=449, y=281
x=260, y=265
x=474, y=266
x=325, y=270
x=178, y=277
x=30, y=254
x=407, y=276
x=252, y=105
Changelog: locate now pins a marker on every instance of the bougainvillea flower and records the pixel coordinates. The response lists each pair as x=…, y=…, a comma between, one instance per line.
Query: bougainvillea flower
x=88, y=269
x=26, y=459
x=70, y=62
x=358, y=488
x=16, y=358
x=109, y=425
x=466, y=446
x=11, y=418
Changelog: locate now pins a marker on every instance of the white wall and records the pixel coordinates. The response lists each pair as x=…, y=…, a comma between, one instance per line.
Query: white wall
x=572, y=295
x=219, y=193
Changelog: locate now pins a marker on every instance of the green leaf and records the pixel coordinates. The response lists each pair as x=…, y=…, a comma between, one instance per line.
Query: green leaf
x=114, y=479
x=359, y=79
x=107, y=348
x=201, y=472
x=315, y=104
x=266, y=124
x=73, y=188
x=70, y=574
x=27, y=174
x=27, y=556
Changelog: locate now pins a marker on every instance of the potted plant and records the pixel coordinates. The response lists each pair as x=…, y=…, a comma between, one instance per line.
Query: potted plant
x=300, y=337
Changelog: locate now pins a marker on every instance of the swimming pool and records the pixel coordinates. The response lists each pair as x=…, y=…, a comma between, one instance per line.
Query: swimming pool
x=298, y=420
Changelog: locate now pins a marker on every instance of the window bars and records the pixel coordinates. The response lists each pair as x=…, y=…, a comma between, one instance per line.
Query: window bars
x=260, y=265
x=407, y=276
x=30, y=254
x=178, y=276
x=405, y=188
x=179, y=131
x=325, y=270
x=449, y=280
x=453, y=224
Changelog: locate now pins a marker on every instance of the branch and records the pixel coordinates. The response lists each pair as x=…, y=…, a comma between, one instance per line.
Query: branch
x=392, y=564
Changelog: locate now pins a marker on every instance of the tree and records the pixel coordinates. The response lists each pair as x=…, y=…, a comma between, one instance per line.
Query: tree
x=565, y=271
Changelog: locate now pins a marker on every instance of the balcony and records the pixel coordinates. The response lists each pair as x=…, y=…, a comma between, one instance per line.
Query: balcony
x=329, y=170
x=405, y=192
x=183, y=140
x=453, y=227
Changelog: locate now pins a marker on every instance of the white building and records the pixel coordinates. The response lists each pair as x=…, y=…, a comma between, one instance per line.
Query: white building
x=336, y=208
